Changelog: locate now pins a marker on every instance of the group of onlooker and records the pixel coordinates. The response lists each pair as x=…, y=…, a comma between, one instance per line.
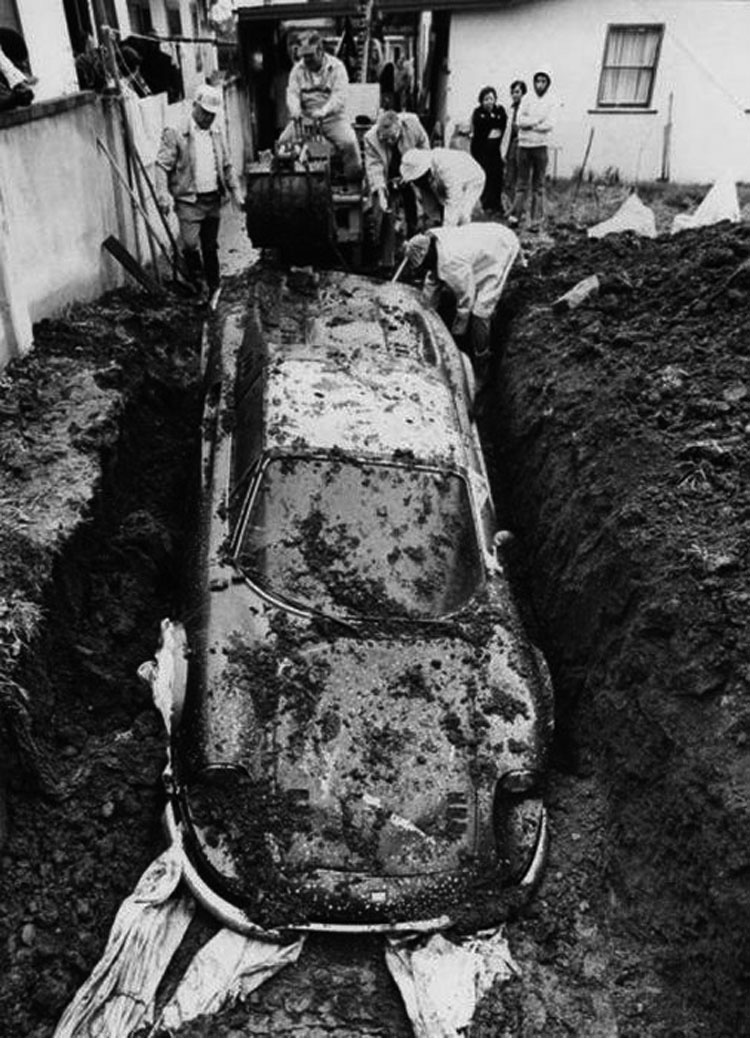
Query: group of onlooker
x=524, y=164
x=506, y=161
x=440, y=190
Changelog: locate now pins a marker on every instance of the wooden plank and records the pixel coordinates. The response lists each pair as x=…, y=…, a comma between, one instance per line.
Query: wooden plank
x=131, y=264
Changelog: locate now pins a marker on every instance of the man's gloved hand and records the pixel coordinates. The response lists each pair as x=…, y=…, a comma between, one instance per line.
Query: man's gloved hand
x=237, y=200
x=382, y=198
x=164, y=205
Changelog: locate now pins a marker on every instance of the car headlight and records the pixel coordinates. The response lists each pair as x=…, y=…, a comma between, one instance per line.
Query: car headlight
x=517, y=817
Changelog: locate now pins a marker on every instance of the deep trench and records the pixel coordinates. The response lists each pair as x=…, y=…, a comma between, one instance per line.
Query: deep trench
x=120, y=575
x=85, y=806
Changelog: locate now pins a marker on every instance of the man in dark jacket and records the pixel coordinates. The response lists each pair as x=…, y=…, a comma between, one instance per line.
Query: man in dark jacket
x=392, y=136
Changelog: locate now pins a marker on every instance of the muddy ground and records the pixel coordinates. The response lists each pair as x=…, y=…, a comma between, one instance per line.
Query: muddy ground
x=619, y=437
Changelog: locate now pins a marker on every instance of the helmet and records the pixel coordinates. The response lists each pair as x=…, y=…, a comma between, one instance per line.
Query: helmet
x=415, y=163
x=416, y=249
x=209, y=98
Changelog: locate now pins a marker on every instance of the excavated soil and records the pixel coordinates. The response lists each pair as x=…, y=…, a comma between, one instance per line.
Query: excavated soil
x=619, y=436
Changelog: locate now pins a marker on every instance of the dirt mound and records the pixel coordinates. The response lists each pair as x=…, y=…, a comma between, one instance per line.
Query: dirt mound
x=89, y=552
x=623, y=430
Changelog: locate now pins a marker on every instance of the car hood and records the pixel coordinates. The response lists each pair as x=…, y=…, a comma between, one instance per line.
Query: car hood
x=383, y=744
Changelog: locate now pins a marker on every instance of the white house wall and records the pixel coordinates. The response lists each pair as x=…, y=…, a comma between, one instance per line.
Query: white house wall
x=45, y=33
x=704, y=63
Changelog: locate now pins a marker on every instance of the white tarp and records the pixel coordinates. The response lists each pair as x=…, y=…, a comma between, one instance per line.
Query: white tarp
x=721, y=203
x=442, y=982
x=226, y=969
x=118, y=997
x=632, y=215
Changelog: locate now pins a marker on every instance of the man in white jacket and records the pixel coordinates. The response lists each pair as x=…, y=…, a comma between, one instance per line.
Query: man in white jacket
x=535, y=123
x=472, y=262
x=451, y=176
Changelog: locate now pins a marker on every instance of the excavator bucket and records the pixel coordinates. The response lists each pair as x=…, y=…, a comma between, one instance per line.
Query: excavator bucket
x=290, y=210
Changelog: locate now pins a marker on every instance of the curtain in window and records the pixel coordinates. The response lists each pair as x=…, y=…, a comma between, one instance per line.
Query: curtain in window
x=629, y=65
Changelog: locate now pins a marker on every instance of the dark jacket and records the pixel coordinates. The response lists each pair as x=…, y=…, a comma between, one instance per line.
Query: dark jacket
x=483, y=124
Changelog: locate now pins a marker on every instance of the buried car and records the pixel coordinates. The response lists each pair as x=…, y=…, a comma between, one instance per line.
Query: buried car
x=360, y=725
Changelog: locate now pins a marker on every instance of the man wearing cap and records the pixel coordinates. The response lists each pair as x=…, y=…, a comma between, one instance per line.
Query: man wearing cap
x=317, y=91
x=452, y=176
x=472, y=263
x=384, y=144
x=194, y=167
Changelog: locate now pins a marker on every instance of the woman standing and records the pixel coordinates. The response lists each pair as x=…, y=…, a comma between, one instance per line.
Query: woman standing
x=488, y=123
x=517, y=90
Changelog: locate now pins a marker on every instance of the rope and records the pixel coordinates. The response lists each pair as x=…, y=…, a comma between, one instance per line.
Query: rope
x=171, y=39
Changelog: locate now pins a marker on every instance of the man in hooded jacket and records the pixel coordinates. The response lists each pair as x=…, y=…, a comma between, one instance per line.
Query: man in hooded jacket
x=535, y=123
x=452, y=177
x=470, y=264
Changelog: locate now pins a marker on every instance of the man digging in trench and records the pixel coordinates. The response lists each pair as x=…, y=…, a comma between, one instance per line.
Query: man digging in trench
x=469, y=265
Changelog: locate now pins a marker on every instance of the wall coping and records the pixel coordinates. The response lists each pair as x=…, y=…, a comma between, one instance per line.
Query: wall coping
x=45, y=109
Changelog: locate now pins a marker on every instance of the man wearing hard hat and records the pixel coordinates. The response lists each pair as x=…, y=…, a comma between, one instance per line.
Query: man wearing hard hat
x=194, y=167
x=451, y=176
x=317, y=93
x=471, y=263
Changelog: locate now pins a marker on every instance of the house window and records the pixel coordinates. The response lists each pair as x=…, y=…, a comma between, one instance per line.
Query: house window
x=174, y=21
x=631, y=55
x=140, y=17
x=9, y=15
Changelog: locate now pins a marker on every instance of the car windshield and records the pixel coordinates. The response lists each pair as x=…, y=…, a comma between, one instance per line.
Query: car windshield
x=357, y=539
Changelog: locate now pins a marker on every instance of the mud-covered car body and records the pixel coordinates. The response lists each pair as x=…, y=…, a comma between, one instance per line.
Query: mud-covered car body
x=365, y=724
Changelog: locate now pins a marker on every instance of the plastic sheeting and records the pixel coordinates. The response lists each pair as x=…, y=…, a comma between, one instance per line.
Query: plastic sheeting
x=442, y=982
x=226, y=969
x=632, y=215
x=721, y=203
x=118, y=998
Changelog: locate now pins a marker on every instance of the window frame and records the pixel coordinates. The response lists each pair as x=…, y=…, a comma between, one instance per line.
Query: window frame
x=637, y=106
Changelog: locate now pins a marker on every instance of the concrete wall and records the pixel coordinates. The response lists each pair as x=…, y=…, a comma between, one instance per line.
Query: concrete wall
x=59, y=200
x=59, y=204
x=704, y=63
x=51, y=57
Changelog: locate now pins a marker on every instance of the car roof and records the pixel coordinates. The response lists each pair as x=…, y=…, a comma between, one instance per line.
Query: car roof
x=367, y=378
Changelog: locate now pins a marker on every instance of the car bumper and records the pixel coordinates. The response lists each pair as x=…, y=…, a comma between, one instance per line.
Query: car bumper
x=371, y=896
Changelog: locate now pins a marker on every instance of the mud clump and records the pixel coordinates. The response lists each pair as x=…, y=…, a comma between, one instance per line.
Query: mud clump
x=624, y=442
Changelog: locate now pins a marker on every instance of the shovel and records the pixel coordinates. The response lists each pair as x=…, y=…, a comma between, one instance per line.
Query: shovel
x=400, y=269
